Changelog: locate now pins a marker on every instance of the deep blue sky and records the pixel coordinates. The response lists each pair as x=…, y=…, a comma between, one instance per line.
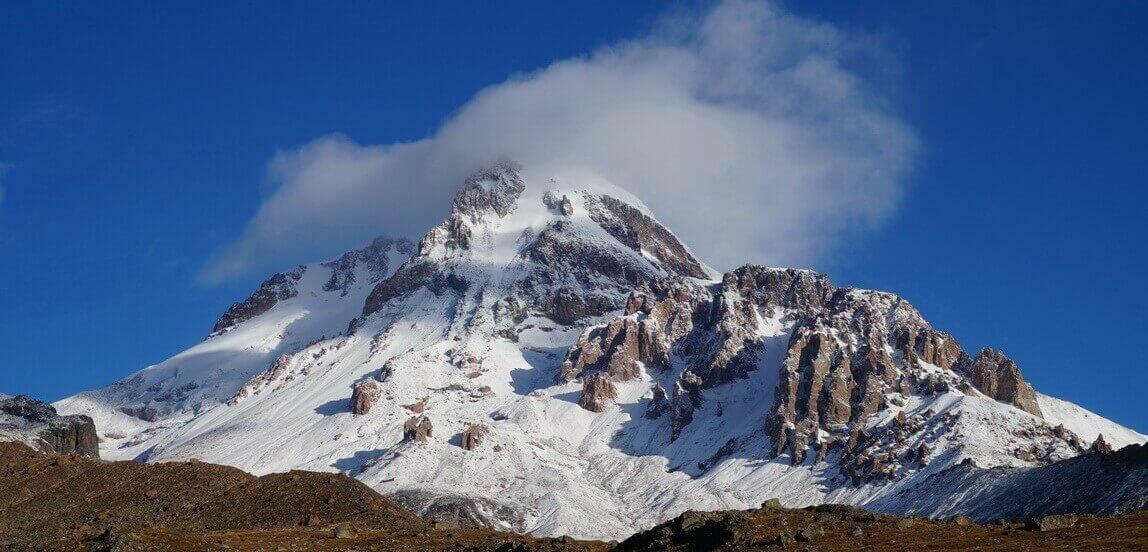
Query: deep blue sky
x=135, y=140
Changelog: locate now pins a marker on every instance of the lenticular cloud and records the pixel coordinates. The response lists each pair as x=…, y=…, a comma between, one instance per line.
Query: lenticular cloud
x=750, y=131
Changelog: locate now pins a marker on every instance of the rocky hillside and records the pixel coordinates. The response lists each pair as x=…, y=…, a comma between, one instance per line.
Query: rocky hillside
x=1100, y=482
x=46, y=503
x=36, y=423
x=551, y=359
x=835, y=527
x=850, y=356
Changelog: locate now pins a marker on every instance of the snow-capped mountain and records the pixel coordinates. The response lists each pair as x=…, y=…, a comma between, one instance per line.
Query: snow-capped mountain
x=552, y=359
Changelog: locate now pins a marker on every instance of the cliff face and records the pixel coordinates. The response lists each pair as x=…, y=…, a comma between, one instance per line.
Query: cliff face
x=36, y=423
x=997, y=376
x=851, y=355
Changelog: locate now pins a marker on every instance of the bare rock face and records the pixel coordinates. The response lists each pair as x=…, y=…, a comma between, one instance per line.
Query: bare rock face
x=418, y=429
x=276, y=372
x=407, y=279
x=687, y=397
x=712, y=326
x=725, y=346
x=622, y=347
x=1100, y=446
x=598, y=392
x=925, y=344
x=851, y=354
x=642, y=233
x=277, y=288
x=373, y=258
x=997, y=376
x=838, y=372
x=38, y=424
x=827, y=383
x=564, y=260
x=570, y=275
x=363, y=396
x=495, y=188
x=472, y=437
x=802, y=290
x=659, y=404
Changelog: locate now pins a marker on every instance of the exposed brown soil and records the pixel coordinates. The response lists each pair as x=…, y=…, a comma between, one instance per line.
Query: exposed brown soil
x=71, y=503
x=835, y=527
x=50, y=502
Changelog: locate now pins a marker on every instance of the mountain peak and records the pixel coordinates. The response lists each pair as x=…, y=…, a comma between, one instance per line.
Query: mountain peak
x=567, y=248
x=494, y=188
x=614, y=380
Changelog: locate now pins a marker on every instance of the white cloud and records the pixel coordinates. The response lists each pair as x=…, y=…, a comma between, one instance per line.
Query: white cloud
x=749, y=131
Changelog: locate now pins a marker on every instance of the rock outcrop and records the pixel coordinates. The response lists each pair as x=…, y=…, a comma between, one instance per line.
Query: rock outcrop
x=1051, y=523
x=279, y=287
x=642, y=233
x=372, y=260
x=418, y=429
x=1099, y=446
x=371, y=263
x=561, y=205
x=851, y=354
x=598, y=392
x=997, y=376
x=659, y=403
x=36, y=423
x=472, y=437
x=363, y=396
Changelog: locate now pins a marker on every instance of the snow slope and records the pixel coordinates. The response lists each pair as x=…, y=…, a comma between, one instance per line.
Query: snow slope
x=166, y=395
x=471, y=329
x=1087, y=425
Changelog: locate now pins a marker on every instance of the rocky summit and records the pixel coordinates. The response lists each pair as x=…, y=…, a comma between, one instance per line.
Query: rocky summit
x=551, y=359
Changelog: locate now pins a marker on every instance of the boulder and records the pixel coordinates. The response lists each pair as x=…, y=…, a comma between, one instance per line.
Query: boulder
x=418, y=429
x=363, y=396
x=809, y=534
x=345, y=531
x=472, y=437
x=1050, y=523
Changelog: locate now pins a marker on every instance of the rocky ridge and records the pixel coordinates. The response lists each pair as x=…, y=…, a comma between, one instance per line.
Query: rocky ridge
x=851, y=353
x=36, y=423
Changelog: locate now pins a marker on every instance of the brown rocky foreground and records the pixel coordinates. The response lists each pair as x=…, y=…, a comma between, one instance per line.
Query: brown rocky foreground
x=50, y=502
